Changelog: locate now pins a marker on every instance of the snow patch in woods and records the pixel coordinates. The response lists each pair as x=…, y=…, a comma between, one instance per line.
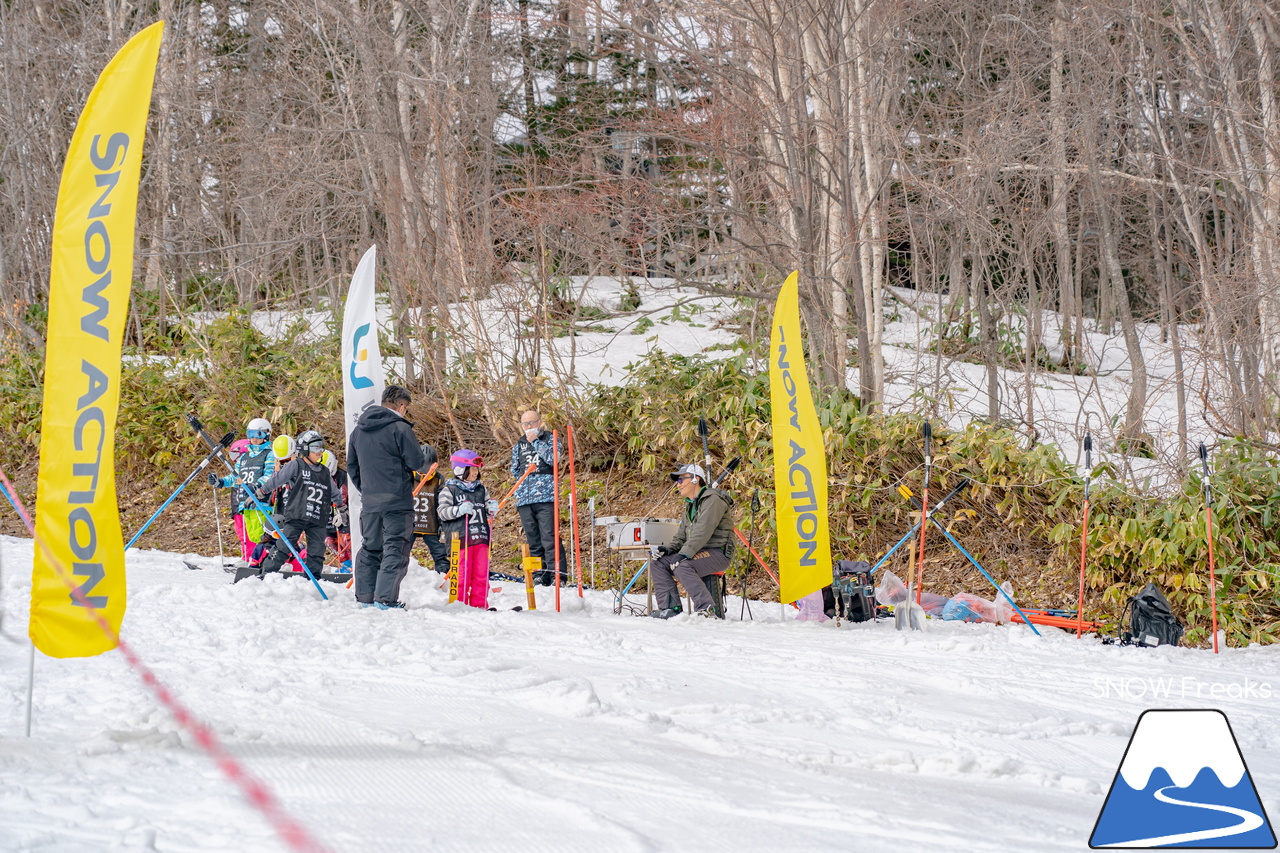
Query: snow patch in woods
x=447, y=728
x=627, y=318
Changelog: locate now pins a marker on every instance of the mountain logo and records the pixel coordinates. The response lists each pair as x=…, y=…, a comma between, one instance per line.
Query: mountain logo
x=1183, y=783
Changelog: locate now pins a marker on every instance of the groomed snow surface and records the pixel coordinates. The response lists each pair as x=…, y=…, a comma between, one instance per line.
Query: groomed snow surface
x=447, y=728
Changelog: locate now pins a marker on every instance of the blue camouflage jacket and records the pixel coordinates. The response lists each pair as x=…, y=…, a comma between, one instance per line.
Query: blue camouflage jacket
x=538, y=487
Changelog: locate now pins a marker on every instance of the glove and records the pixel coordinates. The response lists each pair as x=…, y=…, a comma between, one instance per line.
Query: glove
x=466, y=508
x=259, y=494
x=662, y=550
x=214, y=479
x=340, y=517
x=491, y=505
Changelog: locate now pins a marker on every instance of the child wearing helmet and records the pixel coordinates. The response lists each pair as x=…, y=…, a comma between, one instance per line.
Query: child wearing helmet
x=284, y=447
x=309, y=498
x=254, y=466
x=426, y=499
x=464, y=511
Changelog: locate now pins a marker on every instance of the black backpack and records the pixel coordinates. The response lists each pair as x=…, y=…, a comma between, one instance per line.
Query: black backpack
x=852, y=594
x=1151, y=620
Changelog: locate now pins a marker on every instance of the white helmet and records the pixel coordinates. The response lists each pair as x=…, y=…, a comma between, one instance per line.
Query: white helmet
x=258, y=428
x=328, y=460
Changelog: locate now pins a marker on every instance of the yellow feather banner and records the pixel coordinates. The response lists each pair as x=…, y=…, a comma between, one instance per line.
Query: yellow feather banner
x=799, y=457
x=77, y=518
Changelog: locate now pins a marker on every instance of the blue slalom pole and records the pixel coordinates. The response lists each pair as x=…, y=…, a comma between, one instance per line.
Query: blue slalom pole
x=901, y=542
x=204, y=463
x=634, y=578
x=978, y=566
x=285, y=539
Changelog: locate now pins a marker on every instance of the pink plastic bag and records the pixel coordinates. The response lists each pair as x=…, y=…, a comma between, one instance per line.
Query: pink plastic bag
x=811, y=608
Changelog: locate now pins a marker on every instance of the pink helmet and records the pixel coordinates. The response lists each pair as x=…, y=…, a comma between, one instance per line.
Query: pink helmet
x=240, y=446
x=465, y=459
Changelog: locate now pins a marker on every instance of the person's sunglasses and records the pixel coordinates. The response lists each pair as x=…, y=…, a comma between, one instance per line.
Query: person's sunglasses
x=257, y=433
x=528, y=424
x=684, y=477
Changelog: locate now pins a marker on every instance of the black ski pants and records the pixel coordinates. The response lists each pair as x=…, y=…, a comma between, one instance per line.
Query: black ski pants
x=293, y=531
x=383, y=560
x=439, y=552
x=539, y=522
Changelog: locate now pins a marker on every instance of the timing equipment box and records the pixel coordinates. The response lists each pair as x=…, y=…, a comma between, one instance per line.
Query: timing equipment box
x=633, y=538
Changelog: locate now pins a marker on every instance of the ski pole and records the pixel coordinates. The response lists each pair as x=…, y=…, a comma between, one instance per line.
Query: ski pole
x=573, y=512
x=217, y=519
x=706, y=448
x=591, y=507
x=465, y=559
x=755, y=505
x=1208, y=526
x=1084, y=532
x=285, y=539
x=555, y=500
x=527, y=471
x=924, y=510
x=727, y=472
x=204, y=463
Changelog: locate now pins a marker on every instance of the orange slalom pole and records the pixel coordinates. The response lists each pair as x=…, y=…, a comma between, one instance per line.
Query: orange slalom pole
x=573, y=512
x=1084, y=533
x=1208, y=522
x=555, y=479
x=527, y=471
x=431, y=472
x=756, y=554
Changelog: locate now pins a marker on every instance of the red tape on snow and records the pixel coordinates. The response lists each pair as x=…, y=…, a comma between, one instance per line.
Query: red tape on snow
x=259, y=795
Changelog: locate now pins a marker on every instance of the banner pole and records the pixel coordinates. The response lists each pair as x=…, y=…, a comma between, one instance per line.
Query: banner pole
x=31, y=684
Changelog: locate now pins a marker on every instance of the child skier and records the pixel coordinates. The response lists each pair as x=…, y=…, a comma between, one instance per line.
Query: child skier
x=284, y=448
x=426, y=520
x=309, y=501
x=253, y=468
x=464, y=511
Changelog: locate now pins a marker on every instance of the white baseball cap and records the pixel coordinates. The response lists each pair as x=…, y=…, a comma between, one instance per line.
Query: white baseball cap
x=695, y=470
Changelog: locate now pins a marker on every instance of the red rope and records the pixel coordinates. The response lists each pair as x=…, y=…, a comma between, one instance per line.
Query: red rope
x=258, y=795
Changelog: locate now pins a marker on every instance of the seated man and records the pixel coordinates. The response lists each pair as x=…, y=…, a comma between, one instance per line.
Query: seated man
x=703, y=545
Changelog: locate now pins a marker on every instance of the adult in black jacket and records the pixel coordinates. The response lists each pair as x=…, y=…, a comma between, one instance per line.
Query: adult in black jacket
x=309, y=497
x=382, y=454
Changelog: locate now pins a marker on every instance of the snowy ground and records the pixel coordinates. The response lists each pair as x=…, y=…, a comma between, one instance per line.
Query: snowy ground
x=447, y=728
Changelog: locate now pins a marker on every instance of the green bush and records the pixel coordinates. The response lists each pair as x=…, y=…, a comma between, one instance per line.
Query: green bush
x=1020, y=518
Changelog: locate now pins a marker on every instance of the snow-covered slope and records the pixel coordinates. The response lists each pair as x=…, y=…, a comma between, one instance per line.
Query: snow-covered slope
x=446, y=728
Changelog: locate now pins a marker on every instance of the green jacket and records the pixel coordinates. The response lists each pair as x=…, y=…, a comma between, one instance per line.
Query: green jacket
x=707, y=523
